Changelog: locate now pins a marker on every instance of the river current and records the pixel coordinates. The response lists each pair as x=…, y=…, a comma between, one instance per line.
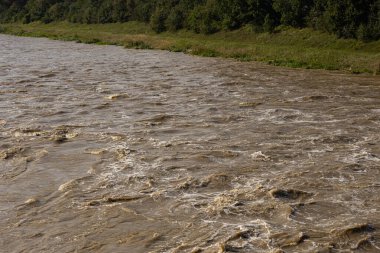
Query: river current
x=104, y=149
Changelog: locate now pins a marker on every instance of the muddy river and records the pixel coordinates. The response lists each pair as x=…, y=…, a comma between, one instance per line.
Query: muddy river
x=104, y=149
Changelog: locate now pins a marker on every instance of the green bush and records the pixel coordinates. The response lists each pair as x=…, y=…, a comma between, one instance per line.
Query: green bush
x=204, y=19
x=269, y=24
x=175, y=20
x=157, y=21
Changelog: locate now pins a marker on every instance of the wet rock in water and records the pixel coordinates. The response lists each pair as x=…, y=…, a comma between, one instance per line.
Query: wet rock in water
x=289, y=194
x=3, y=122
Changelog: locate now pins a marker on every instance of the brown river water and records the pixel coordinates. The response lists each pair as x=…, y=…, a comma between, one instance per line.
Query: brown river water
x=104, y=149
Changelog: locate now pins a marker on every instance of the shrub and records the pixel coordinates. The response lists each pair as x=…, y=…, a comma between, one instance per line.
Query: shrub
x=157, y=21
x=175, y=19
x=269, y=24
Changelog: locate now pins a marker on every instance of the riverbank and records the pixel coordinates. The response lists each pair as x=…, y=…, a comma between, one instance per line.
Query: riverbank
x=297, y=48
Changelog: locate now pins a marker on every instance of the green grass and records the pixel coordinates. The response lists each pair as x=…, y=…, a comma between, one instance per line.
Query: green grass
x=297, y=48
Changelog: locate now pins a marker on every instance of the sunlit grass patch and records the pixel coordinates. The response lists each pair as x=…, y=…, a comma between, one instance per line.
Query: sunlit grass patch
x=296, y=48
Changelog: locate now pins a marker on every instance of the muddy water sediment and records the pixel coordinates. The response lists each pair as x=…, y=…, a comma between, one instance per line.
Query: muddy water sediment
x=104, y=149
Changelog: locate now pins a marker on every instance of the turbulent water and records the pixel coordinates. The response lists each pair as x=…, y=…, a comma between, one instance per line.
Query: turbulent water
x=104, y=149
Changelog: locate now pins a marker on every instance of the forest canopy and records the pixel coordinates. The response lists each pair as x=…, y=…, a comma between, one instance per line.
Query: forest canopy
x=346, y=18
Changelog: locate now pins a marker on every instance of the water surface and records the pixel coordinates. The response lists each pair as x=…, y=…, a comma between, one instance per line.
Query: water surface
x=104, y=149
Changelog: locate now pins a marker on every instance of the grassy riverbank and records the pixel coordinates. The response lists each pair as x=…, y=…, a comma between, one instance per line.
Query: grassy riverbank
x=297, y=48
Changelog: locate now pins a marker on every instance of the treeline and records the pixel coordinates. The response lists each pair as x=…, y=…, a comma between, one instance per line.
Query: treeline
x=345, y=18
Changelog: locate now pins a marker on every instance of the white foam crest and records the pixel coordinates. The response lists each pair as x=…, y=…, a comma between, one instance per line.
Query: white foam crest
x=279, y=116
x=362, y=156
x=158, y=143
x=259, y=156
x=128, y=166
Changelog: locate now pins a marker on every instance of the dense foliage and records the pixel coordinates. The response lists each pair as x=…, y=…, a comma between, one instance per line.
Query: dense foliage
x=345, y=18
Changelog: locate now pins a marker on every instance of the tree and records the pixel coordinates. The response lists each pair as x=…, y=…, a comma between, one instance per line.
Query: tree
x=158, y=18
x=175, y=19
x=293, y=12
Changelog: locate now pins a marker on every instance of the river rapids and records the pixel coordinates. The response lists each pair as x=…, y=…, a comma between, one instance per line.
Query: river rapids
x=104, y=149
